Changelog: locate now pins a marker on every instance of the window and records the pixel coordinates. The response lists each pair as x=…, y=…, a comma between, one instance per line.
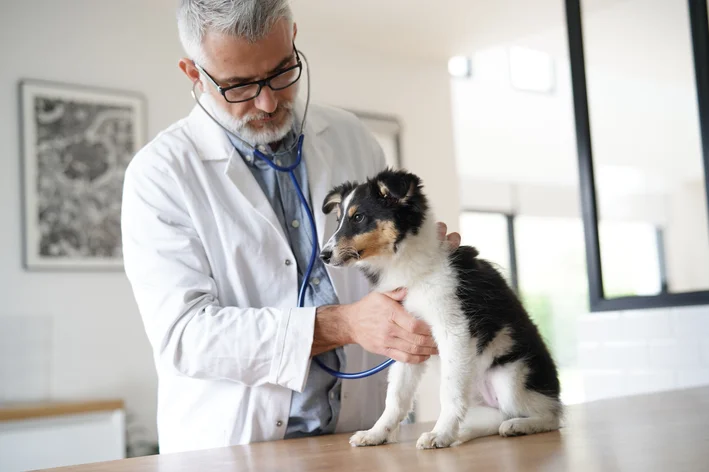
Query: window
x=489, y=234
x=632, y=258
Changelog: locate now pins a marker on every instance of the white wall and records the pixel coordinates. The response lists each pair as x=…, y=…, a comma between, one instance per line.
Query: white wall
x=639, y=351
x=96, y=345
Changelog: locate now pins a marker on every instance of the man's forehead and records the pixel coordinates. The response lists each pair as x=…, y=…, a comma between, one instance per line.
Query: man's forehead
x=229, y=56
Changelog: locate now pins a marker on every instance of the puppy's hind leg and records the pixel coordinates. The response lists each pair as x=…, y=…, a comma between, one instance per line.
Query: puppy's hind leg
x=403, y=383
x=529, y=411
x=522, y=426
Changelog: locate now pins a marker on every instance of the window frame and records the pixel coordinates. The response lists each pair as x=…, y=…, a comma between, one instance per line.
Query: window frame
x=700, y=44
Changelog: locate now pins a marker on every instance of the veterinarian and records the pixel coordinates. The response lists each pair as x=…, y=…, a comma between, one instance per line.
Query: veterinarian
x=215, y=245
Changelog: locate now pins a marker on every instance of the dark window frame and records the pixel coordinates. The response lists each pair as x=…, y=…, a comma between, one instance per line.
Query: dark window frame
x=700, y=45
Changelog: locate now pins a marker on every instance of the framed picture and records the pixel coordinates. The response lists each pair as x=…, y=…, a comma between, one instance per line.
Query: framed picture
x=76, y=143
x=387, y=131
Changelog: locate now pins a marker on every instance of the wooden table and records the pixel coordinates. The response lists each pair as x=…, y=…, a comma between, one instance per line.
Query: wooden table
x=660, y=432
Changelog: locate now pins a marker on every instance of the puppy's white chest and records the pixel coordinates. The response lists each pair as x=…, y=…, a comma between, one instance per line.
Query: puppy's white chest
x=418, y=303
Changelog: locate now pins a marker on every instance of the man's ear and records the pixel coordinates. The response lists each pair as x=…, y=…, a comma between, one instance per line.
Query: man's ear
x=336, y=196
x=188, y=68
x=397, y=185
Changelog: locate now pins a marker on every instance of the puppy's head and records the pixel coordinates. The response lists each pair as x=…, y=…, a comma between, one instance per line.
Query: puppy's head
x=373, y=217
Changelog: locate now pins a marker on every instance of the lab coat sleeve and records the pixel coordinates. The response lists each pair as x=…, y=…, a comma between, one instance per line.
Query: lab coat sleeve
x=191, y=334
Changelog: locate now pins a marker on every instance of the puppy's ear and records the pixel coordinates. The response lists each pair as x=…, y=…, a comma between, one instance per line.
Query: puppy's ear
x=397, y=185
x=336, y=196
x=333, y=199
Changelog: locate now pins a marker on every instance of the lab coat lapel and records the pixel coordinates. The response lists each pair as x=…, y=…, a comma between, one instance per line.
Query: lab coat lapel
x=244, y=180
x=213, y=144
x=317, y=155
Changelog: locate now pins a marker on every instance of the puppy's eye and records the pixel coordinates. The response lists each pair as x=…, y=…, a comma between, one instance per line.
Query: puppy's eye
x=358, y=218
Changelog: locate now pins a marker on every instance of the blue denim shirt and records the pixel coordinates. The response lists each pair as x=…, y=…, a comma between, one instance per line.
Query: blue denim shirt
x=314, y=411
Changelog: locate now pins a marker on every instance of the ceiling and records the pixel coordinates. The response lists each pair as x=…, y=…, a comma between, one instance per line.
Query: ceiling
x=421, y=28
x=657, y=58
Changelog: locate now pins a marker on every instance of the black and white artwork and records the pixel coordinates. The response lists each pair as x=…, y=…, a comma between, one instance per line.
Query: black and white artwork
x=76, y=145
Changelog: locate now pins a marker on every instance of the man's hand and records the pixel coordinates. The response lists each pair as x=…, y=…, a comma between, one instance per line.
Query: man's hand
x=379, y=324
x=452, y=239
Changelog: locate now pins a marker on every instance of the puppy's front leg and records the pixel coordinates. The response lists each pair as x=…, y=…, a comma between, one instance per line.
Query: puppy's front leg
x=457, y=369
x=403, y=382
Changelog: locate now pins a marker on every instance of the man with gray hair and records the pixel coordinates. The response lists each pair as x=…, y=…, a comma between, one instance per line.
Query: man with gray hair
x=216, y=244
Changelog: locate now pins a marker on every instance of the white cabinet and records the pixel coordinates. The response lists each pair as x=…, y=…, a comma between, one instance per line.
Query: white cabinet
x=55, y=435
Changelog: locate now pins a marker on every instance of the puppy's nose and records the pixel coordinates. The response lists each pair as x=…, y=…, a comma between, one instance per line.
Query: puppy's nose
x=326, y=255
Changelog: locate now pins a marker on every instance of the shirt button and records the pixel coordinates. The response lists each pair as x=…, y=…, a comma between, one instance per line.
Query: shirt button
x=261, y=148
x=332, y=395
x=278, y=162
x=288, y=262
x=295, y=223
x=279, y=423
x=316, y=281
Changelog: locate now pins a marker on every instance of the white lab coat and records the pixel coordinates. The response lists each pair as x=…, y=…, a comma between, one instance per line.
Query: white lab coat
x=206, y=258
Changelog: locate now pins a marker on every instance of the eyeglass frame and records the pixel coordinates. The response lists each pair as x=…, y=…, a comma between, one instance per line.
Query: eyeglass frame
x=261, y=83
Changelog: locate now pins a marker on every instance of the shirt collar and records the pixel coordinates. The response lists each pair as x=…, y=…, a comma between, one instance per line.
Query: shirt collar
x=212, y=143
x=285, y=158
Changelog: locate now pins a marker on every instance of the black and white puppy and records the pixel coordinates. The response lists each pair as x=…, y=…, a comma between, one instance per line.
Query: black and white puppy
x=497, y=375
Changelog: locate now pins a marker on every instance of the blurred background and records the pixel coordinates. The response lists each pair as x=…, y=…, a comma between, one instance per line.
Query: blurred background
x=475, y=96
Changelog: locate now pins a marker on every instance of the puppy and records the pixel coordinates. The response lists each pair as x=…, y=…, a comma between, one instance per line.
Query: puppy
x=497, y=375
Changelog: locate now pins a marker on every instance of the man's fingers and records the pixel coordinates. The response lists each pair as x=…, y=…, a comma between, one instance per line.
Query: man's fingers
x=412, y=348
x=404, y=357
x=399, y=294
x=426, y=340
x=442, y=230
x=454, y=240
x=413, y=325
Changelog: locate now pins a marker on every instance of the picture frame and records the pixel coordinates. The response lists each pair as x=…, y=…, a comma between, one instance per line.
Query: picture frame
x=76, y=142
x=387, y=130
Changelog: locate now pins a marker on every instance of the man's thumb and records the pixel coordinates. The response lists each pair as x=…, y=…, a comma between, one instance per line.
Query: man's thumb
x=399, y=294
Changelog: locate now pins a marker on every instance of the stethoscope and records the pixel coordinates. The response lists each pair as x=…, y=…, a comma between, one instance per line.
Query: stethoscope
x=291, y=172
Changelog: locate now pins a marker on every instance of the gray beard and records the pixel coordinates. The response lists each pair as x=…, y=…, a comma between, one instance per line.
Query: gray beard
x=240, y=127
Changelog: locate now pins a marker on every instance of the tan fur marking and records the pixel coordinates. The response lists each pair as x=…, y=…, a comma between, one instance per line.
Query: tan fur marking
x=378, y=242
x=383, y=189
x=352, y=210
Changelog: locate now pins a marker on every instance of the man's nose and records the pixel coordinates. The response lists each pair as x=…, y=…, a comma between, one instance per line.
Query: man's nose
x=266, y=100
x=326, y=255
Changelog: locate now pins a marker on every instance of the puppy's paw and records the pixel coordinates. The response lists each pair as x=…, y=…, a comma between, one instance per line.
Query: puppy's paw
x=368, y=438
x=511, y=428
x=432, y=440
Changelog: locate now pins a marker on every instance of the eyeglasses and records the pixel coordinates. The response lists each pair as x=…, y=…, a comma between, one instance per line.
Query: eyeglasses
x=250, y=90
